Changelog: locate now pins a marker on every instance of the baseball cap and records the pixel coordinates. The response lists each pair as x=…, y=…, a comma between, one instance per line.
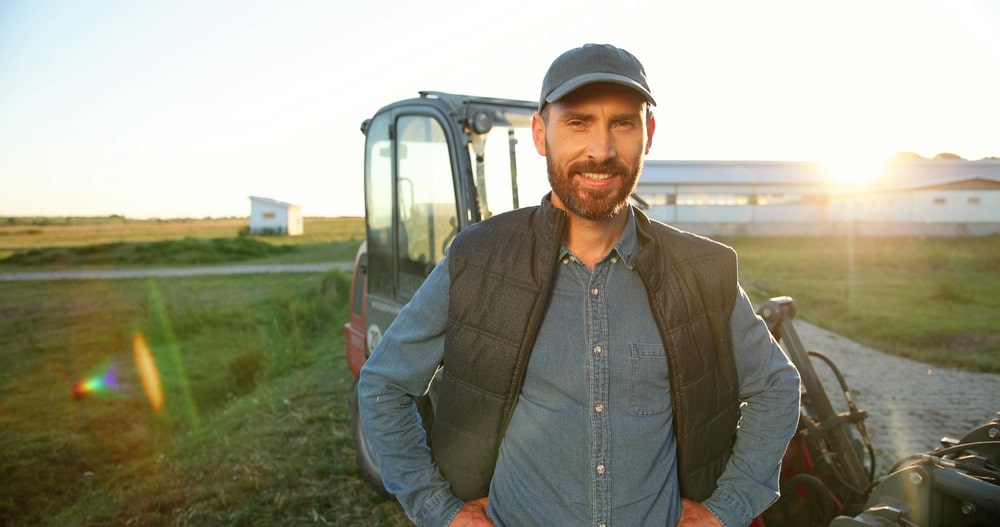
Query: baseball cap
x=592, y=63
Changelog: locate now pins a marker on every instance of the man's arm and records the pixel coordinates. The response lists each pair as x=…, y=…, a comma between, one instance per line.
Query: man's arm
x=399, y=369
x=769, y=390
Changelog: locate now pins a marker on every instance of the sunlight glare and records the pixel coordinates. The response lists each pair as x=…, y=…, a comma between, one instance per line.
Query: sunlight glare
x=148, y=372
x=854, y=172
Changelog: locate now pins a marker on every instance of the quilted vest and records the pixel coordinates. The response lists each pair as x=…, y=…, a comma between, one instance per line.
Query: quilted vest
x=501, y=271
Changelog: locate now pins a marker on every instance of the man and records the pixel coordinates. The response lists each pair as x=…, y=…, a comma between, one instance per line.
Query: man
x=595, y=364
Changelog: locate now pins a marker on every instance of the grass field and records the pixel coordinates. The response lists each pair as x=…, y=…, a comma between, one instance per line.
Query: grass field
x=25, y=234
x=253, y=429
x=931, y=299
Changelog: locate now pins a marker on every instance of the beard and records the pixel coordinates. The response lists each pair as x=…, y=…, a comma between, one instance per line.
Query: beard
x=589, y=203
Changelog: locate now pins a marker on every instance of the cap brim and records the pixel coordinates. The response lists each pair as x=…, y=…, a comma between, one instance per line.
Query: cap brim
x=591, y=78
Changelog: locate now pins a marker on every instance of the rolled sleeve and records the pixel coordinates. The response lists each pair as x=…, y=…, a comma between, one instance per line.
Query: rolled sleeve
x=398, y=370
x=769, y=391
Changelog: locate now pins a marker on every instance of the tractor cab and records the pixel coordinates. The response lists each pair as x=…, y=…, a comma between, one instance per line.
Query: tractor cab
x=433, y=166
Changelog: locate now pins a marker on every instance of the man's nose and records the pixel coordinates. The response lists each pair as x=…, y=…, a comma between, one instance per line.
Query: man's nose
x=602, y=145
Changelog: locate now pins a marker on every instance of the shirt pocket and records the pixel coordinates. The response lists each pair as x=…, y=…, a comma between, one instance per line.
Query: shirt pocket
x=649, y=390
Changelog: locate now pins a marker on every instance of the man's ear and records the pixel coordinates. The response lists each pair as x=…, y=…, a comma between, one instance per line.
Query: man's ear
x=538, y=132
x=650, y=128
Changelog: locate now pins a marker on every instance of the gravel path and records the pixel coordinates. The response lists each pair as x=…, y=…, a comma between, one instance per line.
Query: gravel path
x=910, y=404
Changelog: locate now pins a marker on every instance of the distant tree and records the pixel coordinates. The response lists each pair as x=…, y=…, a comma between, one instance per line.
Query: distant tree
x=950, y=156
x=907, y=156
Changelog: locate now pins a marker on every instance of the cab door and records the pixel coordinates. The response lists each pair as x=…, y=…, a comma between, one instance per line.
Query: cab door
x=411, y=207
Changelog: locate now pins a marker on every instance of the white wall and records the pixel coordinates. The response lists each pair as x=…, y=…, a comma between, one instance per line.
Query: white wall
x=934, y=206
x=267, y=217
x=294, y=221
x=933, y=212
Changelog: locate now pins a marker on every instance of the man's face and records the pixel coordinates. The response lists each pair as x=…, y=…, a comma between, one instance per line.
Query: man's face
x=594, y=141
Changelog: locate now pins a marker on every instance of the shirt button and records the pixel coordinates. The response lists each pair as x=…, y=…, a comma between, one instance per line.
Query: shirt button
x=565, y=260
x=593, y=291
x=597, y=349
x=602, y=525
x=601, y=469
x=614, y=259
x=599, y=408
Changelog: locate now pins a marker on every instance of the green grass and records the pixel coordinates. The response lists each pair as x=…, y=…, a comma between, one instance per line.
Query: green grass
x=26, y=234
x=931, y=299
x=188, y=251
x=254, y=429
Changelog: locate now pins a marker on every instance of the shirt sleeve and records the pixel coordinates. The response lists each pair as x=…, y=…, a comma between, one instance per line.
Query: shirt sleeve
x=399, y=369
x=769, y=391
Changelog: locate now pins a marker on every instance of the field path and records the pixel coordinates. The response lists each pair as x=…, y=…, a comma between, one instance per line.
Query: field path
x=165, y=272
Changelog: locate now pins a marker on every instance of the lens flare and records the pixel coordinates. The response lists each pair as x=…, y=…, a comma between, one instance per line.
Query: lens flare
x=95, y=385
x=171, y=355
x=148, y=374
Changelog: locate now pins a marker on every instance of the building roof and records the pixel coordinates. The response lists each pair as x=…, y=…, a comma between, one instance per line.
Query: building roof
x=911, y=174
x=908, y=174
x=274, y=202
x=733, y=172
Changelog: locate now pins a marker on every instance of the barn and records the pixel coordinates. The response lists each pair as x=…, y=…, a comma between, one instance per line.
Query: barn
x=933, y=197
x=270, y=216
x=795, y=198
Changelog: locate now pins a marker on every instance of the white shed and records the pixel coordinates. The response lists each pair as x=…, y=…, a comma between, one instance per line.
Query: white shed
x=270, y=216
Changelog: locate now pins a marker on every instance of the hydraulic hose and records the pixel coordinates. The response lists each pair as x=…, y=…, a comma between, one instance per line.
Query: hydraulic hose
x=853, y=409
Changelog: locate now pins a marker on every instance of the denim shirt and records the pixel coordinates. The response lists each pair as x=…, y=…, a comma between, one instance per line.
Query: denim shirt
x=590, y=441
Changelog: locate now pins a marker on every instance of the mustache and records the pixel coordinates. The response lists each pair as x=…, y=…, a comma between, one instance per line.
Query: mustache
x=609, y=166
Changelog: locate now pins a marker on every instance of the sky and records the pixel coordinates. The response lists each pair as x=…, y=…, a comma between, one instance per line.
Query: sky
x=184, y=109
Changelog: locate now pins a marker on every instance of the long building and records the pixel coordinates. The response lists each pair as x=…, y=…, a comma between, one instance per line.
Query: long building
x=790, y=198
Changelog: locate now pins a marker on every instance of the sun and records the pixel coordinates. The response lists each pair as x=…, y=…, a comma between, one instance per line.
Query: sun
x=859, y=171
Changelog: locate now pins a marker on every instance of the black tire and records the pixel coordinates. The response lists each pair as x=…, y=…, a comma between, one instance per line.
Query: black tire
x=364, y=457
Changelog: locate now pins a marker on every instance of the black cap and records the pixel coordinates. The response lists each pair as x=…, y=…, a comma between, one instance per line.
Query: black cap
x=592, y=63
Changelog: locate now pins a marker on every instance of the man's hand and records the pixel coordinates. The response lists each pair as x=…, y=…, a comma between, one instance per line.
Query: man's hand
x=473, y=514
x=694, y=514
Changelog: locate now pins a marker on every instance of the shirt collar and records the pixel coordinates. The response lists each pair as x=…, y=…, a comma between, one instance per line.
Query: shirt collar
x=625, y=248
x=628, y=244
